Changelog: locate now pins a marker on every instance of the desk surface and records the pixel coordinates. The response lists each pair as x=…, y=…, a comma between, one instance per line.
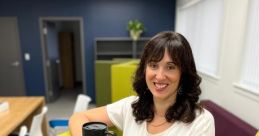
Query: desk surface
x=20, y=109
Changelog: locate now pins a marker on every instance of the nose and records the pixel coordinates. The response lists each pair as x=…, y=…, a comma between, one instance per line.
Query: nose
x=160, y=74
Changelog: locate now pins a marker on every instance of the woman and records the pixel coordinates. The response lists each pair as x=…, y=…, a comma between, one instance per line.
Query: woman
x=167, y=85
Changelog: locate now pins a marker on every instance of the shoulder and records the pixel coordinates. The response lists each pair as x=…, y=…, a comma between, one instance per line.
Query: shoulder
x=125, y=102
x=120, y=111
x=202, y=125
x=128, y=99
x=204, y=116
x=204, y=121
x=204, y=113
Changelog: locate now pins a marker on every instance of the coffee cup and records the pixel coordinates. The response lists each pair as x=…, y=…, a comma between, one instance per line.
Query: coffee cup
x=96, y=129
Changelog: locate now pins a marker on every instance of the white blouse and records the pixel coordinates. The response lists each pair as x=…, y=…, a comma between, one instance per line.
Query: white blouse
x=120, y=113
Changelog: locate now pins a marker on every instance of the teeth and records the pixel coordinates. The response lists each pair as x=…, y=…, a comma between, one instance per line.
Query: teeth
x=160, y=86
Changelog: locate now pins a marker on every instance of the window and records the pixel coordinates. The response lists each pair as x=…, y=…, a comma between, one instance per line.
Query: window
x=200, y=21
x=250, y=69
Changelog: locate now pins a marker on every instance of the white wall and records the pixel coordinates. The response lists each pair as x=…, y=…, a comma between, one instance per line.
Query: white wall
x=222, y=90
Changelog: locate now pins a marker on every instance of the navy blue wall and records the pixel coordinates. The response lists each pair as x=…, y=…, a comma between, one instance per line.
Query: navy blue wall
x=102, y=18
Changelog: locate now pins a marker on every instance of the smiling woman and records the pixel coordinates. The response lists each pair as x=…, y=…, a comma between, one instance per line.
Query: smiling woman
x=167, y=85
x=172, y=83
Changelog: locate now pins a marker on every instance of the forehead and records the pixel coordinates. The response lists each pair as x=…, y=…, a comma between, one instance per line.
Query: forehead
x=159, y=55
x=166, y=57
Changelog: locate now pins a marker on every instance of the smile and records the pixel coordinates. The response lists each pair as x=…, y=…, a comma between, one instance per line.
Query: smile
x=160, y=85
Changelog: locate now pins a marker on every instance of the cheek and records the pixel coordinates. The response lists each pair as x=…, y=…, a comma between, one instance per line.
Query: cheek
x=149, y=74
x=175, y=77
x=146, y=74
x=149, y=78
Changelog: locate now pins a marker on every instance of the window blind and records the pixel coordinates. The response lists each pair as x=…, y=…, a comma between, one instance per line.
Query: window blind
x=250, y=67
x=201, y=23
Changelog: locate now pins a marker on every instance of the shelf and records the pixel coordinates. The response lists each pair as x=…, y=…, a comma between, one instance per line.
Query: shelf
x=118, y=47
x=120, y=39
x=114, y=53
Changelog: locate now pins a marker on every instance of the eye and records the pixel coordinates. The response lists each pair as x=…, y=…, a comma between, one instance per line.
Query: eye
x=171, y=67
x=153, y=65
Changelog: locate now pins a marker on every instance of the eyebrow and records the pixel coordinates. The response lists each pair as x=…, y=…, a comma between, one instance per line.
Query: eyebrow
x=171, y=62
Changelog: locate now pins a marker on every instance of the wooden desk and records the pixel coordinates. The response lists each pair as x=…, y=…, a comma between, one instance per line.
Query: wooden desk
x=21, y=112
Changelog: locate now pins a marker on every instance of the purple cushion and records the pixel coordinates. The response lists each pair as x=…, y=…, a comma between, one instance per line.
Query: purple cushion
x=227, y=124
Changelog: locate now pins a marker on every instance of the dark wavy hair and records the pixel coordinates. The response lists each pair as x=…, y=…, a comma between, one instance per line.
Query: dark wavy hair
x=186, y=100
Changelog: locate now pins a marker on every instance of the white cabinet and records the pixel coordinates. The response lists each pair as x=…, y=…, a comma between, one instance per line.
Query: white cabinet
x=107, y=48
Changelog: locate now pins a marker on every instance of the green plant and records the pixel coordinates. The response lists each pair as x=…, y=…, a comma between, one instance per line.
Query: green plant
x=135, y=25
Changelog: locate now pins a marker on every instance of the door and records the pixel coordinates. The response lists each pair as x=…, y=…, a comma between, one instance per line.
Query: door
x=52, y=59
x=11, y=72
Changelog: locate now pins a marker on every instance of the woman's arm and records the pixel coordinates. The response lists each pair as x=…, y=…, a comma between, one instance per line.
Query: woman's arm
x=77, y=120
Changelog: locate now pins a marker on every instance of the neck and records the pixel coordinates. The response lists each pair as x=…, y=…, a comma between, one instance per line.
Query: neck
x=161, y=106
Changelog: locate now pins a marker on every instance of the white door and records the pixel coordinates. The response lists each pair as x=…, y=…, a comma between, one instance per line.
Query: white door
x=11, y=71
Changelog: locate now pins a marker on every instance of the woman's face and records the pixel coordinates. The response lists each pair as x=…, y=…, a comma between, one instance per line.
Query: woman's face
x=163, y=78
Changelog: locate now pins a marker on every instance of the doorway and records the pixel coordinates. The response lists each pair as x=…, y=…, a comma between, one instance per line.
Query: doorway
x=62, y=43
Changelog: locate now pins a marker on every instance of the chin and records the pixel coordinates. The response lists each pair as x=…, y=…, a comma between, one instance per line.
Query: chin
x=159, y=95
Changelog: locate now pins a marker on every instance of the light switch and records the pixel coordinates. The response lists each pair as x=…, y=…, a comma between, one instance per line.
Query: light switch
x=27, y=56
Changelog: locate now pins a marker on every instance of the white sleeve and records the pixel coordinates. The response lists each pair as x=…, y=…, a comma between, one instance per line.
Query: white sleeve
x=205, y=125
x=118, y=110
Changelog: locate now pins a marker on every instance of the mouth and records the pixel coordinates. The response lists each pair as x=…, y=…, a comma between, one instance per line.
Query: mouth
x=160, y=86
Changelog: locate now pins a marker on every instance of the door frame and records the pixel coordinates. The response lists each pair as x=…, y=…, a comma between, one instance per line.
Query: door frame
x=43, y=47
x=19, y=51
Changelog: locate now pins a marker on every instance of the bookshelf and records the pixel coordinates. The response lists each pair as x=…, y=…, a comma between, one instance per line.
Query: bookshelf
x=107, y=48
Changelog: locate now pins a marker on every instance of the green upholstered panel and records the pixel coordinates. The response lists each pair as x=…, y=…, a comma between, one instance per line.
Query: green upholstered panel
x=103, y=81
x=121, y=79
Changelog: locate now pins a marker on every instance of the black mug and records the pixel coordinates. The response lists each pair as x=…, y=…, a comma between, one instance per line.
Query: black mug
x=96, y=129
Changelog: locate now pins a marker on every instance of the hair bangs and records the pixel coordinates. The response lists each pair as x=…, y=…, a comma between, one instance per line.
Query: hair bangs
x=175, y=50
x=156, y=51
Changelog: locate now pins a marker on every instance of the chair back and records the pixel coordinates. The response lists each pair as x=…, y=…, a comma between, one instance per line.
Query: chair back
x=35, y=129
x=82, y=103
x=23, y=131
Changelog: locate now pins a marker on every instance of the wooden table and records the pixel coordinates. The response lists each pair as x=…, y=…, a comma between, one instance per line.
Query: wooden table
x=21, y=112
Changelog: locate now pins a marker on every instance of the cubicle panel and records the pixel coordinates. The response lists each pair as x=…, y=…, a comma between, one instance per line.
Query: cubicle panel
x=103, y=80
x=121, y=80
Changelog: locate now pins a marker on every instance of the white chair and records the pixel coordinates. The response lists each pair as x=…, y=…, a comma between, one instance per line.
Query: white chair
x=60, y=125
x=23, y=131
x=35, y=129
x=82, y=103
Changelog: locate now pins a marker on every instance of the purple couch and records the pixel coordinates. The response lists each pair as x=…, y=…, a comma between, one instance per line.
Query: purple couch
x=227, y=124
